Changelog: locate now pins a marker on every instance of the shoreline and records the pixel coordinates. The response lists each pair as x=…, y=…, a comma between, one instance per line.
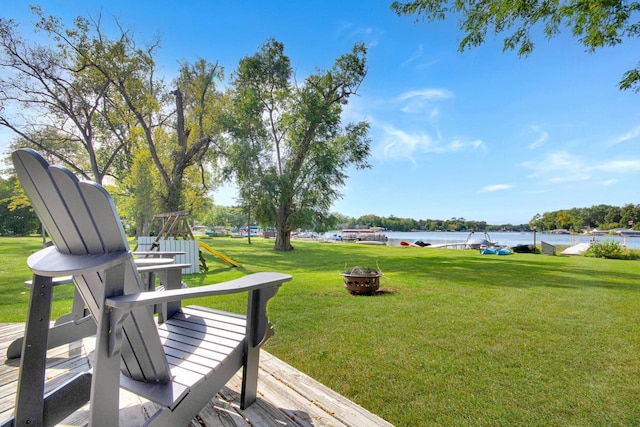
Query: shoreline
x=509, y=239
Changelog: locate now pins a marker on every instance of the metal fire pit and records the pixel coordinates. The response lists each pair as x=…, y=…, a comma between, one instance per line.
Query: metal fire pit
x=361, y=280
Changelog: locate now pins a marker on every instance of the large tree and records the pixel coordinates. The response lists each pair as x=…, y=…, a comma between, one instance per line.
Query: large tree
x=88, y=84
x=289, y=151
x=55, y=105
x=595, y=23
x=131, y=70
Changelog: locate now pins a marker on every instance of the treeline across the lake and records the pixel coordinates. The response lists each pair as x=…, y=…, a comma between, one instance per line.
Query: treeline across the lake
x=409, y=224
x=602, y=217
x=17, y=218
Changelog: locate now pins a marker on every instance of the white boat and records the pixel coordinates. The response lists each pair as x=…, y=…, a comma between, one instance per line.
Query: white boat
x=576, y=249
x=478, y=243
x=596, y=232
x=363, y=235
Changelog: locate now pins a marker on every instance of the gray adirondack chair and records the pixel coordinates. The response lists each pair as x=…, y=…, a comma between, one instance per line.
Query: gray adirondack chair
x=180, y=361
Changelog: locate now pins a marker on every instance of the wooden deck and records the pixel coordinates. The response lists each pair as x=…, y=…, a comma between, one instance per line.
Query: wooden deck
x=286, y=397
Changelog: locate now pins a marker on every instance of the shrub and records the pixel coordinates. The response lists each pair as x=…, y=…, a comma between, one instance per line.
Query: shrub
x=610, y=250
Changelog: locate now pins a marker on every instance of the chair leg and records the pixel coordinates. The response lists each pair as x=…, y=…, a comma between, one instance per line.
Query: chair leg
x=30, y=394
x=258, y=331
x=105, y=384
x=250, y=377
x=170, y=279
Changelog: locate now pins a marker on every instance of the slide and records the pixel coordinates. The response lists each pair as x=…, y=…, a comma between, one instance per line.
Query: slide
x=219, y=254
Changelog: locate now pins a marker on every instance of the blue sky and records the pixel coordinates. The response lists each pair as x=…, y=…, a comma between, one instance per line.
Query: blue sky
x=483, y=135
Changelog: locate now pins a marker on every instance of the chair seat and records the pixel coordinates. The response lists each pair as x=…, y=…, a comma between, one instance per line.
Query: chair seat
x=197, y=342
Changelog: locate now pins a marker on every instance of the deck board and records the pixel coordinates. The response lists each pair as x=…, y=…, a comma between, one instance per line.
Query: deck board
x=286, y=396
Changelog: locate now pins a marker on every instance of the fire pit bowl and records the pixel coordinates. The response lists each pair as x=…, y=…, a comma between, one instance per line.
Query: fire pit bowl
x=361, y=280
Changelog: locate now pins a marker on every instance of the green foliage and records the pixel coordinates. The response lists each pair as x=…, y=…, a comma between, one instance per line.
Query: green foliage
x=225, y=216
x=610, y=250
x=409, y=224
x=138, y=200
x=287, y=140
x=603, y=217
x=72, y=116
x=594, y=23
x=16, y=215
x=93, y=98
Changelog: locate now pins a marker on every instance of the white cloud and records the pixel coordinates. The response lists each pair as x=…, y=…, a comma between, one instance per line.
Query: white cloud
x=421, y=101
x=478, y=144
x=619, y=166
x=495, y=187
x=346, y=30
x=632, y=134
x=409, y=138
x=428, y=64
x=561, y=166
x=415, y=56
x=541, y=139
x=398, y=144
x=426, y=94
x=558, y=167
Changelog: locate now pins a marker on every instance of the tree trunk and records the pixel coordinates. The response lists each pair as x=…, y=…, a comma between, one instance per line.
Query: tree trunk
x=283, y=239
x=173, y=202
x=143, y=226
x=283, y=232
x=44, y=236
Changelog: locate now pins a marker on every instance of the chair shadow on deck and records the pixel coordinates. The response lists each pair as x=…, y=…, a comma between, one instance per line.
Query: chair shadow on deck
x=223, y=410
x=285, y=396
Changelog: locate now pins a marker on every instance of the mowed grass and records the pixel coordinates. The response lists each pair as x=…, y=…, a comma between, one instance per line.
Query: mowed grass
x=456, y=338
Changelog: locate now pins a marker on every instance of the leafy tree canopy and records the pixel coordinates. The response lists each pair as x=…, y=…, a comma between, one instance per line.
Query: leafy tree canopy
x=596, y=24
x=288, y=148
x=90, y=100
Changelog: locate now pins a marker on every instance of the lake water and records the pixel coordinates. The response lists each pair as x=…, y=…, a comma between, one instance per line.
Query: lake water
x=503, y=238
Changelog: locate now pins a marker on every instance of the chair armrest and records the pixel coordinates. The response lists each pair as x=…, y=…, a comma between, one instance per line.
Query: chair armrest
x=154, y=254
x=67, y=280
x=62, y=280
x=153, y=268
x=49, y=262
x=243, y=284
x=143, y=262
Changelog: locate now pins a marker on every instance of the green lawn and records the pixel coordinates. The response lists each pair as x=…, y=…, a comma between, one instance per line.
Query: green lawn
x=457, y=338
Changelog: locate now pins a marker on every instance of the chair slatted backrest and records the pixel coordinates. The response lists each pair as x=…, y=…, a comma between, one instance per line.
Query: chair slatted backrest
x=81, y=219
